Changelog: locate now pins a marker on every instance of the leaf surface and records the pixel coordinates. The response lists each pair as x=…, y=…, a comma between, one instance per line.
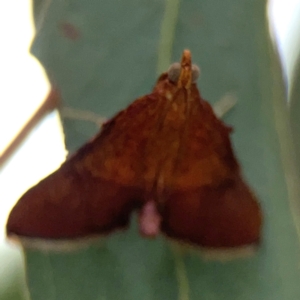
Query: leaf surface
x=101, y=55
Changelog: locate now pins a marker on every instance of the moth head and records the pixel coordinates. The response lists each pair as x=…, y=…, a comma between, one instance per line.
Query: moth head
x=183, y=74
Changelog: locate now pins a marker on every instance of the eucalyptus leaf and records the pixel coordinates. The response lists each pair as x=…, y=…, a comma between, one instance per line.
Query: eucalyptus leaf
x=101, y=55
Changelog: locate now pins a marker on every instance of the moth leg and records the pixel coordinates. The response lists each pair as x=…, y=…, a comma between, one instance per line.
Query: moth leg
x=225, y=104
x=82, y=115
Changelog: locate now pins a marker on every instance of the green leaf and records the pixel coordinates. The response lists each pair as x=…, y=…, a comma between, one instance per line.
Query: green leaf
x=101, y=55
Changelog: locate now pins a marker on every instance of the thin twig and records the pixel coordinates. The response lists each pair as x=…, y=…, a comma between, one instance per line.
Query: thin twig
x=50, y=104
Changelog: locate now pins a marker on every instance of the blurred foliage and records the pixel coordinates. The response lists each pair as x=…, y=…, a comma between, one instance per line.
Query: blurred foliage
x=14, y=287
x=294, y=108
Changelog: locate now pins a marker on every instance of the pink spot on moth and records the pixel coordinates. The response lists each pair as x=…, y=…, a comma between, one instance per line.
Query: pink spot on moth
x=149, y=220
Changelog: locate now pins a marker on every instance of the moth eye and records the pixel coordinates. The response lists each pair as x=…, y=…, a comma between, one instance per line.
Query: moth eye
x=175, y=69
x=195, y=73
x=174, y=72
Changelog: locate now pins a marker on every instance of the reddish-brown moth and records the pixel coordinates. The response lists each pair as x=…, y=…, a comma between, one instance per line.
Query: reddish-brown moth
x=167, y=155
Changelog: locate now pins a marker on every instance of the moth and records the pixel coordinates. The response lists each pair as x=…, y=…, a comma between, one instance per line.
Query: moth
x=166, y=155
